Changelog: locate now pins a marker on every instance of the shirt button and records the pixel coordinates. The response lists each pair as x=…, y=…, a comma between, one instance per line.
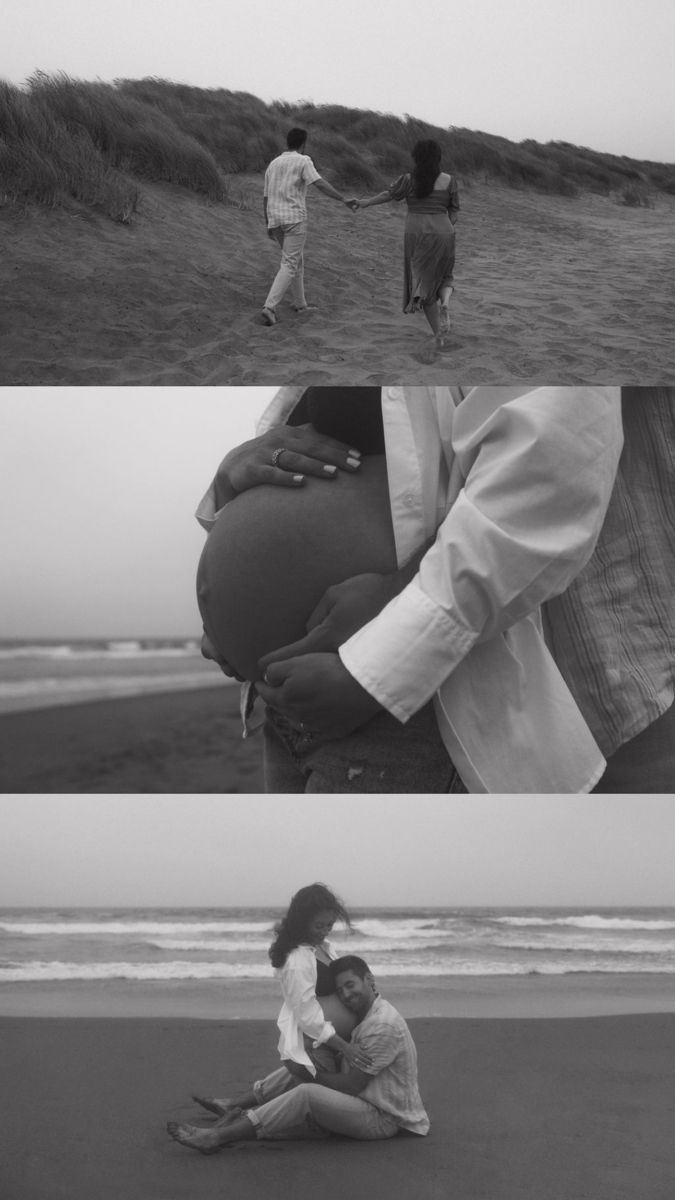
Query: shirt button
x=394, y=393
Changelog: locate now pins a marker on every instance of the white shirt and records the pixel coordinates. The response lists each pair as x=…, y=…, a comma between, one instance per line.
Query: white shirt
x=301, y=1012
x=286, y=181
x=514, y=482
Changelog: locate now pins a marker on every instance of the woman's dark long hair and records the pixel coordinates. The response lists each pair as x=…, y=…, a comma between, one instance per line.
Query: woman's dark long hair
x=427, y=159
x=293, y=929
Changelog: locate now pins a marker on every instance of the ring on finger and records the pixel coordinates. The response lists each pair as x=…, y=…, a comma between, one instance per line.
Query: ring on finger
x=276, y=455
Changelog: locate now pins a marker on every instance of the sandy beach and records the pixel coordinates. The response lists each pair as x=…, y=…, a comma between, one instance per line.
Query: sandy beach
x=548, y=289
x=187, y=741
x=521, y=1108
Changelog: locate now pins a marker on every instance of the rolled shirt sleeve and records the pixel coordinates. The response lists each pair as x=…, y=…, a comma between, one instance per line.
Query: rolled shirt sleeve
x=538, y=472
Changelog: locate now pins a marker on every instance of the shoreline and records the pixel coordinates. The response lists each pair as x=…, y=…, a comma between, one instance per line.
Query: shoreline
x=451, y=997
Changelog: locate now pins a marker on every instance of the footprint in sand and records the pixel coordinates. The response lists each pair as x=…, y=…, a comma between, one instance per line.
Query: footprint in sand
x=427, y=353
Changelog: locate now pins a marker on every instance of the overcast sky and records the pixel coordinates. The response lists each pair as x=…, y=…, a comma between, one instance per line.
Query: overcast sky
x=98, y=488
x=592, y=72
x=395, y=850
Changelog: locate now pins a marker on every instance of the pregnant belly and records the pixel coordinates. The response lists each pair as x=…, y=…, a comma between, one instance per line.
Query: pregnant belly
x=273, y=552
x=339, y=1016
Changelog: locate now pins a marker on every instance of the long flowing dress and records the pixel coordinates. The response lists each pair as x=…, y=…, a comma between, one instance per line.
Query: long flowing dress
x=428, y=242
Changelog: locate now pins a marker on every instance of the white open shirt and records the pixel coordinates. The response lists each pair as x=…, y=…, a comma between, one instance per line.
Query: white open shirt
x=514, y=482
x=301, y=1012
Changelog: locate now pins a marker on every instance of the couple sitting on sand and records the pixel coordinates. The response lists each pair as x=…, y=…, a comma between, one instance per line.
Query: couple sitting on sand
x=349, y=1064
x=429, y=241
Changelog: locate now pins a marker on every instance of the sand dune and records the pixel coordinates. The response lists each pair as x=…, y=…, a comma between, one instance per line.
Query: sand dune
x=548, y=290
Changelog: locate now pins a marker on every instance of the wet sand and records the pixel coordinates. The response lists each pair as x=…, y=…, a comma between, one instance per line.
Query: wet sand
x=548, y=290
x=175, y=742
x=521, y=1109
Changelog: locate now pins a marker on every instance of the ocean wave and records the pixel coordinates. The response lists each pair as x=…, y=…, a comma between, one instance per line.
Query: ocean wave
x=587, y=945
x=355, y=945
x=131, y=928
x=589, y=921
x=117, y=648
x=390, y=930
x=63, y=972
x=11, y=688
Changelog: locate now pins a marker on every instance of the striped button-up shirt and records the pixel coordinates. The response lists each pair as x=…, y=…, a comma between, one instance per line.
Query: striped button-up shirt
x=286, y=181
x=613, y=630
x=393, y=1089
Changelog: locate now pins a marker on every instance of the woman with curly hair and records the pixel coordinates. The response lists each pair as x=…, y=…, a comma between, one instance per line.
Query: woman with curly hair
x=314, y=1025
x=429, y=240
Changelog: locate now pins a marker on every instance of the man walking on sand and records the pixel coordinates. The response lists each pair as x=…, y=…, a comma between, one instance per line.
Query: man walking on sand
x=287, y=179
x=379, y=1102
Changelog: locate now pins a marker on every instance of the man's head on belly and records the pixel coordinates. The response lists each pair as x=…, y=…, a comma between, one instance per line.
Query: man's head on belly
x=354, y=984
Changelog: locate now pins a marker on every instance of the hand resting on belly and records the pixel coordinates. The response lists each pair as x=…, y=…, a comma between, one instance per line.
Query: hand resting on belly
x=274, y=551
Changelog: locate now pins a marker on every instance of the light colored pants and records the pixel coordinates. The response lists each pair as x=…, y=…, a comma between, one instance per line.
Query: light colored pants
x=281, y=1080
x=312, y=1111
x=291, y=273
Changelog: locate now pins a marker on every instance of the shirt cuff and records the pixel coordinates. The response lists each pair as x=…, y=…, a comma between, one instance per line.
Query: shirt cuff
x=406, y=653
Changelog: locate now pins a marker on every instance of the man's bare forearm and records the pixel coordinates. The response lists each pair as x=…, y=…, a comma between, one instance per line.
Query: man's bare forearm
x=329, y=190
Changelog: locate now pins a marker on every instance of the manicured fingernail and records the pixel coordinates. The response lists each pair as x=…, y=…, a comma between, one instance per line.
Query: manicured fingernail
x=353, y=462
x=330, y=470
x=298, y=479
x=354, y=453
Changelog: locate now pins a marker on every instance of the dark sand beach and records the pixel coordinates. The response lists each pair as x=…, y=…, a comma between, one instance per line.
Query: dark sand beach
x=548, y=289
x=522, y=1108
x=187, y=741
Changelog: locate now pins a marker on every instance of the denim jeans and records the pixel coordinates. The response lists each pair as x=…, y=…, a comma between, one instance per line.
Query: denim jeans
x=310, y=1111
x=382, y=756
x=291, y=273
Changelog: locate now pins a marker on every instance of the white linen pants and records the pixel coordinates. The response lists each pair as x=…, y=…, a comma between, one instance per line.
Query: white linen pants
x=291, y=273
x=312, y=1111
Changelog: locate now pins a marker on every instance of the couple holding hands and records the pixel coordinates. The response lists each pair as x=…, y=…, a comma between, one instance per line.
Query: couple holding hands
x=429, y=241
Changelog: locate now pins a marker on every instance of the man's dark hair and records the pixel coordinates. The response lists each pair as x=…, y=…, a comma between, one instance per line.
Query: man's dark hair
x=295, y=138
x=349, y=962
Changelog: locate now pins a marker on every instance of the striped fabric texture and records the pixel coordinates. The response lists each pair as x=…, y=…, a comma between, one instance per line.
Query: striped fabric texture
x=612, y=632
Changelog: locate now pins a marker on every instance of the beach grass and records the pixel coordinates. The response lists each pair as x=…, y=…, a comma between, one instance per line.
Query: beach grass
x=65, y=139
x=168, y=292
x=92, y=143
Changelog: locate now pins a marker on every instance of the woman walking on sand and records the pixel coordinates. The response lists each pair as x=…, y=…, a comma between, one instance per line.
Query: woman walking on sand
x=429, y=241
